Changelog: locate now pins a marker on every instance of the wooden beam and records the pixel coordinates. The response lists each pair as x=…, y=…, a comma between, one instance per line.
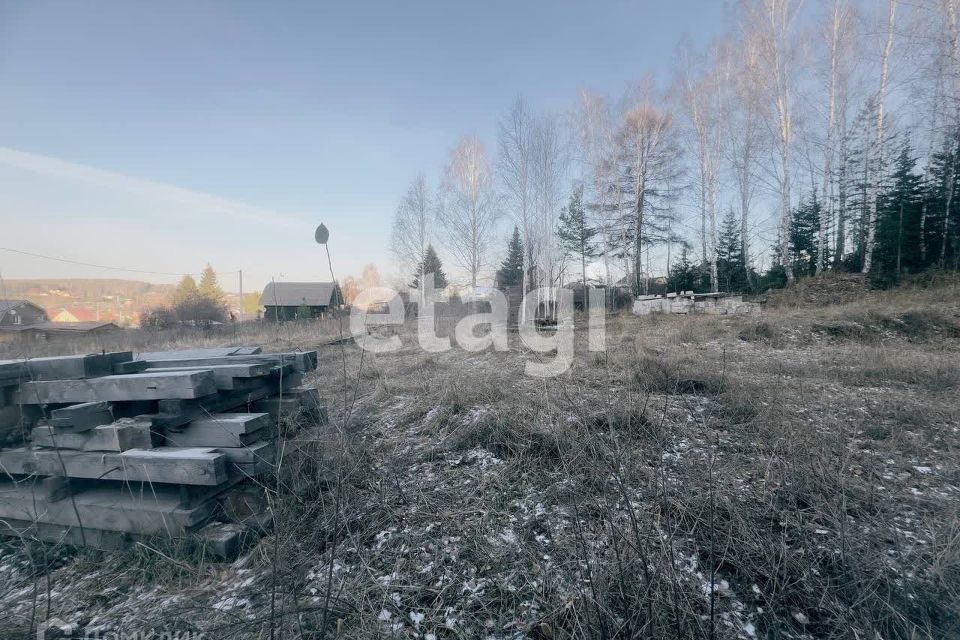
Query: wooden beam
x=213, y=352
x=296, y=400
x=225, y=375
x=160, y=465
x=68, y=367
x=258, y=454
x=119, y=436
x=138, y=386
x=81, y=417
x=59, y=534
x=221, y=430
x=151, y=511
x=302, y=361
x=176, y=413
x=131, y=366
x=12, y=369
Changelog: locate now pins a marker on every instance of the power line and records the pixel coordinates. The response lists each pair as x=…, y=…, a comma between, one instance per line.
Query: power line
x=101, y=266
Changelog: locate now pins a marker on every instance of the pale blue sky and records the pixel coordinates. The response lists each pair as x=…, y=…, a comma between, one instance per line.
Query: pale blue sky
x=162, y=135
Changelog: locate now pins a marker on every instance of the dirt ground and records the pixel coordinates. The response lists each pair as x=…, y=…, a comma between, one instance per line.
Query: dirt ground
x=793, y=475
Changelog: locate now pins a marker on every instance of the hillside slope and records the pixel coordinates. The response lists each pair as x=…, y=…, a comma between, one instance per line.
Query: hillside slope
x=794, y=476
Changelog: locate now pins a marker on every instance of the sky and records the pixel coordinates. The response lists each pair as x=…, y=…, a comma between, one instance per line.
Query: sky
x=162, y=136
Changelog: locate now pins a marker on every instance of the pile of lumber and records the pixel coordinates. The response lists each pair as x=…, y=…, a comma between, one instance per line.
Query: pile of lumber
x=103, y=449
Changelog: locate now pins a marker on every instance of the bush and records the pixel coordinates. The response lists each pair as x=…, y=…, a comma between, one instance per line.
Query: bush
x=159, y=318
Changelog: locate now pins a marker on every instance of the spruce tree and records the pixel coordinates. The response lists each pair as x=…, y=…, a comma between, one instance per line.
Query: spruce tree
x=510, y=273
x=683, y=274
x=898, y=222
x=804, y=231
x=731, y=268
x=943, y=176
x=576, y=236
x=209, y=287
x=430, y=264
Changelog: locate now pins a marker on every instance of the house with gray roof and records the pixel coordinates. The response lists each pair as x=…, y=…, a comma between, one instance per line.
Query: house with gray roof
x=18, y=313
x=299, y=300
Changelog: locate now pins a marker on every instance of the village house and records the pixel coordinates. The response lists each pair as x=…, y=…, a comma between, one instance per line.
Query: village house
x=299, y=300
x=23, y=319
x=76, y=314
x=15, y=313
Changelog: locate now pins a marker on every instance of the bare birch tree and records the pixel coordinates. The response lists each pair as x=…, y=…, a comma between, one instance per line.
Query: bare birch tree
x=772, y=24
x=411, y=225
x=595, y=145
x=468, y=207
x=549, y=167
x=515, y=162
x=877, y=148
x=650, y=164
x=837, y=35
x=950, y=17
x=704, y=103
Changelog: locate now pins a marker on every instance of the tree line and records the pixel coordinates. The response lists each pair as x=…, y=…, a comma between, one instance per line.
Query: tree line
x=809, y=137
x=191, y=304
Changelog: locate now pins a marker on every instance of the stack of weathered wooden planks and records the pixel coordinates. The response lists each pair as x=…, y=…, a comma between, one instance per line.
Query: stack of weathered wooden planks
x=105, y=448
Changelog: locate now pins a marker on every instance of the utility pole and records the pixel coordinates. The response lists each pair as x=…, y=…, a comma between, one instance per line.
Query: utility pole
x=241, y=294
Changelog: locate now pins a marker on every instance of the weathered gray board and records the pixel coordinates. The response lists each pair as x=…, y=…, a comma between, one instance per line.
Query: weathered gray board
x=12, y=423
x=253, y=460
x=69, y=367
x=130, y=366
x=119, y=436
x=292, y=402
x=302, y=361
x=221, y=430
x=81, y=417
x=9, y=417
x=12, y=369
x=259, y=453
x=274, y=383
x=138, y=386
x=176, y=413
x=225, y=375
x=64, y=535
x=257, y=457
x=152, y=511
x=177, y=466
x=213, y=352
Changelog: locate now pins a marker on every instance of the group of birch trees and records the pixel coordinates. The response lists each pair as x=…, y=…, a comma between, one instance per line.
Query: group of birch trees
x=811, y=136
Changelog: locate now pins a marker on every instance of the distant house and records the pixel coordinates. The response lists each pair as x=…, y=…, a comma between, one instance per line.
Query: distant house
x=53, y=330
x=15, y=313
x=299, y=300
x=23, y=319
x=76, y=314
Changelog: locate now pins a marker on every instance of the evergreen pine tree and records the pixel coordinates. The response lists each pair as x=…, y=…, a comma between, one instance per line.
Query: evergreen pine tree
x=683, y=274
x=430, y=264
x=209, y=287
x=944, y=165
x=899, y=210
x=510, y=273
x=575, y=234
x=731, y=268
x=804, y=229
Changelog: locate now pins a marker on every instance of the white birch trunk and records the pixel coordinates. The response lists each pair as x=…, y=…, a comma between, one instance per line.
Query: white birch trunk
x=878, y=142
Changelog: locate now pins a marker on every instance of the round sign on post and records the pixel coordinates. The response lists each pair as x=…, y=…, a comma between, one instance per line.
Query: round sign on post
x=322, y=234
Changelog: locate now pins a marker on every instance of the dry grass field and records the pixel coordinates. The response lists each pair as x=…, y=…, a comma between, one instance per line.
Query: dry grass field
x=789, y=476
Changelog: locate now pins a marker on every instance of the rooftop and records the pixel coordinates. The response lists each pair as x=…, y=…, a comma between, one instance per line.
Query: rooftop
x=295, y=294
